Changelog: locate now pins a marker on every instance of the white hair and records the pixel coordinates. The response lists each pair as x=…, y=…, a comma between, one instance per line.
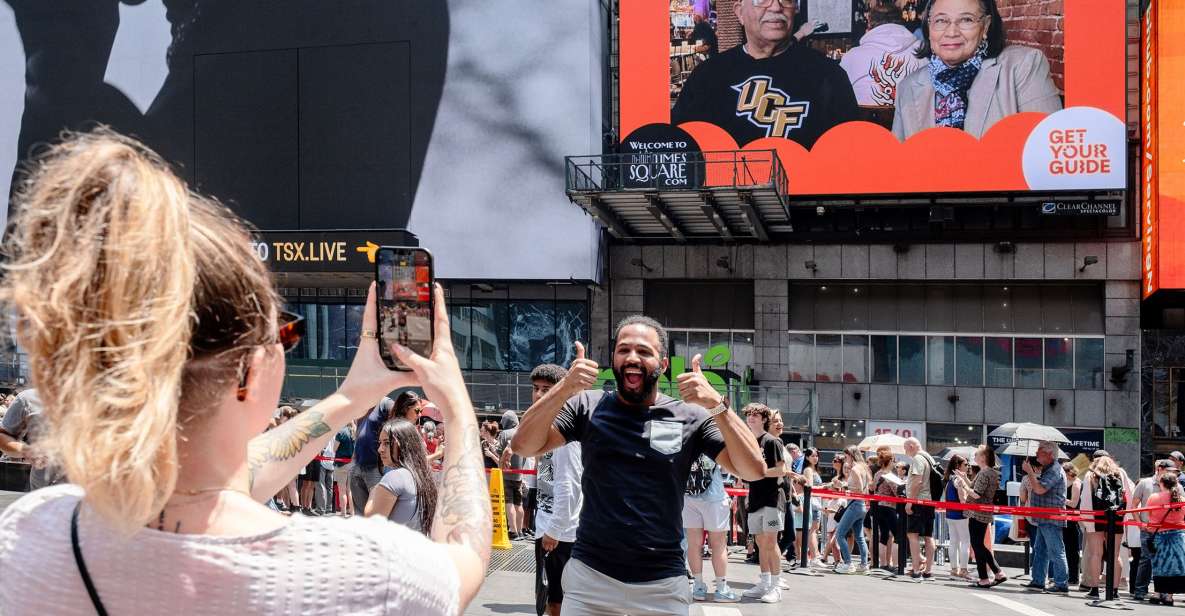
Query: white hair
x=914, y=442
x=1048, y=446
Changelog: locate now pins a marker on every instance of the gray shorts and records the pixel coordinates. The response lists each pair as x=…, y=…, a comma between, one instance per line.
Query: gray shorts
x=588, y=592
x=766, y=520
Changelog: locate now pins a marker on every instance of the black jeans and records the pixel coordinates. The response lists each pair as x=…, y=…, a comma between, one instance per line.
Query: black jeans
x=1071, y=537
x=983, y=556
x=1143, y=576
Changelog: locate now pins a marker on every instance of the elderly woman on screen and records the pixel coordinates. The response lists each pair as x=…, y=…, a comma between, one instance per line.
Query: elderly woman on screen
x=974, y=79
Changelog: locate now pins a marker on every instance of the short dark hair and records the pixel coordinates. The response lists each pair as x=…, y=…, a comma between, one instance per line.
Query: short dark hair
x=989, y=456
x=881, y=12
x=550, y=373
x=995, y=38
x=757, y=408
x=638, y=319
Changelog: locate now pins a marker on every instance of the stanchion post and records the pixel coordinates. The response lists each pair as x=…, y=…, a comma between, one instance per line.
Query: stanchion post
x=876, y=543
x=806, y=527
x=902, y=548
x=1028, y=542
x=1109, y=553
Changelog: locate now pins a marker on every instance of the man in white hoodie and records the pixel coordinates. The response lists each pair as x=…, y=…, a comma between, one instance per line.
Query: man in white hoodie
x=885, y=55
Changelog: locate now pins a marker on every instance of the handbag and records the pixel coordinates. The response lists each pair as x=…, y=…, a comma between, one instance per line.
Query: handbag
x=86, y=576
x=839, y=513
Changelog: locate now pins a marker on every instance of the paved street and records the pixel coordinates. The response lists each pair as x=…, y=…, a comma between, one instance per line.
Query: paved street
x=511, y=593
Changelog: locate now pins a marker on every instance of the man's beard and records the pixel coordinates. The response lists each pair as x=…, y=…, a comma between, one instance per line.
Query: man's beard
x=649, y=382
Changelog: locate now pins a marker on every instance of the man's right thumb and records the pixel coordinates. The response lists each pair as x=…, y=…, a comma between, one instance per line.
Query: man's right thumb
x=579, y=350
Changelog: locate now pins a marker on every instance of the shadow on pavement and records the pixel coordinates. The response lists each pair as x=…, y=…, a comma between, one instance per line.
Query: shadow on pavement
x=509, y=608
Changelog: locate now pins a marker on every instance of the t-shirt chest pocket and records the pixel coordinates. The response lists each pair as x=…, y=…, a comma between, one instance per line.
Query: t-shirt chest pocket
x=666, y=437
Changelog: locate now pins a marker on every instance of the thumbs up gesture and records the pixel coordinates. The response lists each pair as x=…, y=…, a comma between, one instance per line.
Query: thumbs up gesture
x=694, y=388
x=582, y=374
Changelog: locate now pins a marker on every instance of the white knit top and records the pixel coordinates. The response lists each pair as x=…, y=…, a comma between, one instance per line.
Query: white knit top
x=309, y=566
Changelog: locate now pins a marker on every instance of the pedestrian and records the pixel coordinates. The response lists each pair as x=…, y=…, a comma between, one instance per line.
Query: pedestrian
x=341, y=468
x=785, y=485
x=162, y=308
x=1178, y=459
x=408, y=495
x=796, y=457
x=1047, y=490
x=512, y=481
x=809, y=476
x=561, y=499
x=920, y=526
x=982, y=491
x=859, y=480
x=1072, y=533
x=638, y=446
x=956, y=520
x=19, y=431
x=833, y=509
x=1144, y=490
x=706, y=507
x=367, y=471
x=766, y=519
x=489, y=444
x=885, y=484
x=1105, y=487
x=1168, y=554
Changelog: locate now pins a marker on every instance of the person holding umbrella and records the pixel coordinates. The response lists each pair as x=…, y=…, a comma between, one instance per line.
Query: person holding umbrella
x=1047, y=490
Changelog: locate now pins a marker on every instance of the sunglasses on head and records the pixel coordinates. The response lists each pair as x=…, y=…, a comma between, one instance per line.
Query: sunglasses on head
x=291, y=329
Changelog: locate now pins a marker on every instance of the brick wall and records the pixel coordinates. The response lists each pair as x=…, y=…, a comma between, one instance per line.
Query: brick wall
x=728, y=27
x=1037, y=24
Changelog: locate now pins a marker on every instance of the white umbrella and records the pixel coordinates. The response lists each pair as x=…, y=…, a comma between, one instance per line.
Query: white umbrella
x=1027, y=448
x=896, y=444
x=968, y=453
x=1029, y=432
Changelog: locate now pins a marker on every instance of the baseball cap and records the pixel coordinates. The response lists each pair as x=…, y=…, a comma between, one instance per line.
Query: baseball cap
x=1099, y=453
x=1178, y=456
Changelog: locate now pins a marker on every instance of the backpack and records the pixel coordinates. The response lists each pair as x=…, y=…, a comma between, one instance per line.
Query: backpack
x=936, y=484
x=1109, y=492
x=700, y=479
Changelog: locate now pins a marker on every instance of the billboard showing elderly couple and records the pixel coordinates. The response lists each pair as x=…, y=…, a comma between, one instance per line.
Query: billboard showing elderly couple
x=889, y=96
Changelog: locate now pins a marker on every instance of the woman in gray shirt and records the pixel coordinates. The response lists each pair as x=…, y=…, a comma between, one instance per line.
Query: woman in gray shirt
x=409, y=497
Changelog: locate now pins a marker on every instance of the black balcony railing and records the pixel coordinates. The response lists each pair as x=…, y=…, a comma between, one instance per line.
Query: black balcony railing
x=666, y=171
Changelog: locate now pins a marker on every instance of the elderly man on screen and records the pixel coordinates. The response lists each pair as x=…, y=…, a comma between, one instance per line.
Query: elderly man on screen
x=974, y=78
x=1047, y=489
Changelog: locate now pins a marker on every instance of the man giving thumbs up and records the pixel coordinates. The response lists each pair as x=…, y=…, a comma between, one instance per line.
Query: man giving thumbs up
x=638, y=446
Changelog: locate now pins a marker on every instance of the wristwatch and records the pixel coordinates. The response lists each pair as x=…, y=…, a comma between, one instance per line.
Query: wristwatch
x=719, y=408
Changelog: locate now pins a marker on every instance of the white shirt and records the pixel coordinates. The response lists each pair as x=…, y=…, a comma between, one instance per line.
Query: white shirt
x=560, y=517
x=310, y=566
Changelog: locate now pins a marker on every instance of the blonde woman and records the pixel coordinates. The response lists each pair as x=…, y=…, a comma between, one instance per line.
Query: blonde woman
x=859, y=480
x=157, y=342
x=1105, y=486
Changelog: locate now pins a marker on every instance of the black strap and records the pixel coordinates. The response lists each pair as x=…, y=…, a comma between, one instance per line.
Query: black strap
x=86, y=577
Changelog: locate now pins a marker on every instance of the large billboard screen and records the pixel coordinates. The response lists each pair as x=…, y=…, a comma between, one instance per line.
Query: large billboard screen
x=1162, y=127
x=311, y=116
x=882, y=97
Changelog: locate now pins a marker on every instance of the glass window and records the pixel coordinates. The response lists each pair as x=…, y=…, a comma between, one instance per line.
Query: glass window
x=1088, y=363
x=678, y=342
x=911, y=308
x=940, y=309
x=532, y=335
x=325, y=332
x=697, y=343
x=855, y=359
x=997, y=309
x=1026, y=310
x=1059, y=363
x=742, y=352
x=353, y=328
x=1057, y=309
x=460, y=325
x=855, y=308
x=829, y=307
x=571, y=324
x=828, y=358
x=969, y=361
x=802, y=357
x=1088, y=310
x=968, y=308
x=912, y=360
x=941, y=355
x=884, y=359
x=489, y=330
x=802, y=306
x=882, y=308
x=1028, y=362
x=941, y=436
x=998, y=356
x=835, y=435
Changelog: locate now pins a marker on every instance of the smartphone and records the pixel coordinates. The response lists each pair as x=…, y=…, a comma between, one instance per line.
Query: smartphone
x=404, y=277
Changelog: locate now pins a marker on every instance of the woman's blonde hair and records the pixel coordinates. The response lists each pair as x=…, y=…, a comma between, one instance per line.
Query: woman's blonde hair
x=1104, y=467
x=137, y=302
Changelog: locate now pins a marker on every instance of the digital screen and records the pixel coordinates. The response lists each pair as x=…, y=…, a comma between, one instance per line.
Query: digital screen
x=405, y=299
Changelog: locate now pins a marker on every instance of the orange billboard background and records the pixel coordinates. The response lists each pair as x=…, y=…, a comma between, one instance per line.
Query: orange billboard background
x=1163, y=158
x=849, y=158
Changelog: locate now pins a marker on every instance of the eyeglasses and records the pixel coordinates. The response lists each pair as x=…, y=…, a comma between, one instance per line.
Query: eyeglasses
x=965, y=23
x=786, y=4
x=291, y=329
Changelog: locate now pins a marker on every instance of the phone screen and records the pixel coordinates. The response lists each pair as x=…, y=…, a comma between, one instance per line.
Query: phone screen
x=404, y=277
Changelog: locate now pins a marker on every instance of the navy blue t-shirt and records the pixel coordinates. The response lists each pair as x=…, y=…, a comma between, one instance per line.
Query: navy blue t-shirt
x=366, y=445
x=636, y=464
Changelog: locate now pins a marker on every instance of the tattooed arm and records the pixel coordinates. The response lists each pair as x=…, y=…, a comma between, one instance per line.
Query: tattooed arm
x=275, y=457
x=463, y=509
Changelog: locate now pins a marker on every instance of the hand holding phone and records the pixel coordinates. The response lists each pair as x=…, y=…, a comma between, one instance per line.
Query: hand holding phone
x=404, y=279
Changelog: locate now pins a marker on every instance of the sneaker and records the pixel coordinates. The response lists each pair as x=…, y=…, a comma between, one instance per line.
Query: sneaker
x=783, y=584
x=699, y=592
x=724, y=594
x=1057, y=590
x=843, y=568
x=1093, y=593
x=1031, y=587
x=860, y=570
x=756, y=592
x=772, y=595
